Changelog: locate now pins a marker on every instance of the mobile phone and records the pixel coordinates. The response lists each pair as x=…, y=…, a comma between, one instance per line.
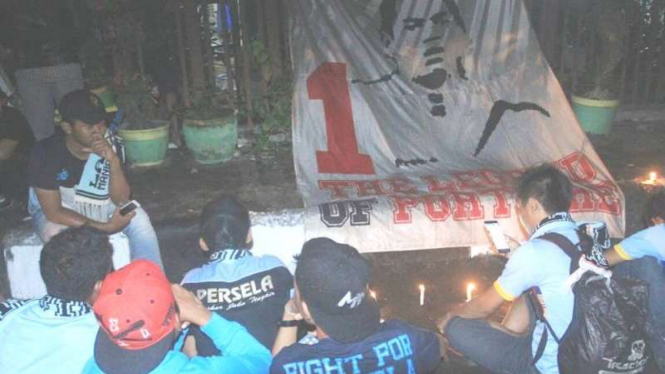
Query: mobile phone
x=129, y=207
x=497, y=237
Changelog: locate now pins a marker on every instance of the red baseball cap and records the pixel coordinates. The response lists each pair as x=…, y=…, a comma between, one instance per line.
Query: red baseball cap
x=136, y=310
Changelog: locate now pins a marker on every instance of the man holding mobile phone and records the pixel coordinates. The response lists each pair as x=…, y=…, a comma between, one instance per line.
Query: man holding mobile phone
x=77, y=179
x=543, y=197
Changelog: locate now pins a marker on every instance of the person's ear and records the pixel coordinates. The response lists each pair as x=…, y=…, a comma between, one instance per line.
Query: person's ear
x=66, y=127
x=533, y=206
x=304, y=309
x=203, y=245
x=250, y=238
x=95, y=292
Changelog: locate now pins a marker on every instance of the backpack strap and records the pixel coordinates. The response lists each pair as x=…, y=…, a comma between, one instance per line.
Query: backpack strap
x=571, y=250
x=537, y=309
x=567, y=246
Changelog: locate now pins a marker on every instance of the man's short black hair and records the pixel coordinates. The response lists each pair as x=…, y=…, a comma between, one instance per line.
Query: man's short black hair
x=654, y=208
x=224, y=224
x=74, y=260
x=549, y=186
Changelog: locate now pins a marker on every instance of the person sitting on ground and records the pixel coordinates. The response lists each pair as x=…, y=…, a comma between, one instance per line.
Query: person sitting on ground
x=642, y=256
x=248, y=289
x=56, y=334
x=15, y=142
x=543, y=198
x=140, y=315
x=332, y=293
x=77, y=179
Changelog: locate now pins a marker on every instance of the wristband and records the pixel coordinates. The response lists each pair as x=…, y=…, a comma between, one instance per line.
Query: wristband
x=292, y=323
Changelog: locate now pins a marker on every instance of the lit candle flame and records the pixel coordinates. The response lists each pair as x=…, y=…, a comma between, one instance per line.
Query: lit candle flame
x=373, y=294
x=653, y=176
x=469, y=291
x=421, y=287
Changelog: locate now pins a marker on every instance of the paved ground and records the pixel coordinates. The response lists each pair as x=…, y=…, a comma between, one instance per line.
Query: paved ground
x=175, y=193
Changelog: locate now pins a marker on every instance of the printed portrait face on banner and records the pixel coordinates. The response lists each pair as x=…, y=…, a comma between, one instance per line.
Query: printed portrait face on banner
x=413, y=119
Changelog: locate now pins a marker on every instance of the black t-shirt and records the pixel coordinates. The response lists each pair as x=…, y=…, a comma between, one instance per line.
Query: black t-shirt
x=52, y=165
x=397, y=348
x=14, y=126
x=250, y=290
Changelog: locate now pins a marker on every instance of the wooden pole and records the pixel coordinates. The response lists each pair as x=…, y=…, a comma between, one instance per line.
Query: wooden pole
x=192, y=28
x=245, y=67
x=177, y=13
x=273, y=34
x=210, y=57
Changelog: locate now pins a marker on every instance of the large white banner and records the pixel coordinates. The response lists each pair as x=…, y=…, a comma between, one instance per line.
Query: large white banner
x=412, y=119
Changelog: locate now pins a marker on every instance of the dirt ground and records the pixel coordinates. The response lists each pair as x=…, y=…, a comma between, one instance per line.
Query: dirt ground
x=174, y=194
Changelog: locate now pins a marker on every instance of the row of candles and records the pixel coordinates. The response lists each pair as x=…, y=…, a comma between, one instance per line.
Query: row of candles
x=470, y=289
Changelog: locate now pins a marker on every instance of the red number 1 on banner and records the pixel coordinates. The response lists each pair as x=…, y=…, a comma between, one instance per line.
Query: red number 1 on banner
x=328, y=83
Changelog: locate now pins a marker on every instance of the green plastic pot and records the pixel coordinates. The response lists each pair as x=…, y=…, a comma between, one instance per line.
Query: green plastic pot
x=146, y=147
x=595, y=116
x=107, y=97
x=211, y=141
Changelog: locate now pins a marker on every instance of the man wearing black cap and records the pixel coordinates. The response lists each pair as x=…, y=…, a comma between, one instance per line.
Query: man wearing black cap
x=77, y=179
x=332, y=293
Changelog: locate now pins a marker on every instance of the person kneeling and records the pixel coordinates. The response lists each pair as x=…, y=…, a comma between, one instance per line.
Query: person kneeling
x=332, y=293
x=543, y=197
x=251, y=290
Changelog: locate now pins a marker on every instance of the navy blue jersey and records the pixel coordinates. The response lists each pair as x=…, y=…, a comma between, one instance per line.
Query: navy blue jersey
x=397, y=348
x=243, y=288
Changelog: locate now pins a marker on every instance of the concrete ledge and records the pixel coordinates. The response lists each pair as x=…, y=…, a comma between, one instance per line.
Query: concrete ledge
x=22, y=249
x=640, y=114
x=280, y=234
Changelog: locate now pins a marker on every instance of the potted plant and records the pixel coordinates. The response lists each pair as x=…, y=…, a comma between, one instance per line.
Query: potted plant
x=146, y=135
x=596, y=89
x=210, y=127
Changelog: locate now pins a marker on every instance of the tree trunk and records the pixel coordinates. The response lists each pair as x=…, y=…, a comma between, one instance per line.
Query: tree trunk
x=193, y=38
x=273, y=24
x=182, y=53
x=235, y=14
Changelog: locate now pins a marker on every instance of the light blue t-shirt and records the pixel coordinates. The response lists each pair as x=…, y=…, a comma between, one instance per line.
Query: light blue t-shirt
x=648, y=242
x=46, y=335
x=540, y=263
x=241, y=353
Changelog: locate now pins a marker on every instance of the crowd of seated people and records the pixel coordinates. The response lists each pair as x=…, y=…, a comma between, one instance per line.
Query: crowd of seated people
x=240, y=313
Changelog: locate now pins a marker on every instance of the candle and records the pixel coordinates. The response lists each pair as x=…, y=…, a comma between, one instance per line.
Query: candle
x=469, y=291
x=421, y=287
x=373, y=294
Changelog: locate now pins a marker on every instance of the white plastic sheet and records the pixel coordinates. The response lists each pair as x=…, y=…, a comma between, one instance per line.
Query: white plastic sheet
x=412, y=119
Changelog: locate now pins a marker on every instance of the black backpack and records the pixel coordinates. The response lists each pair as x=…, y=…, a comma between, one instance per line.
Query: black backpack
x=608, y=332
